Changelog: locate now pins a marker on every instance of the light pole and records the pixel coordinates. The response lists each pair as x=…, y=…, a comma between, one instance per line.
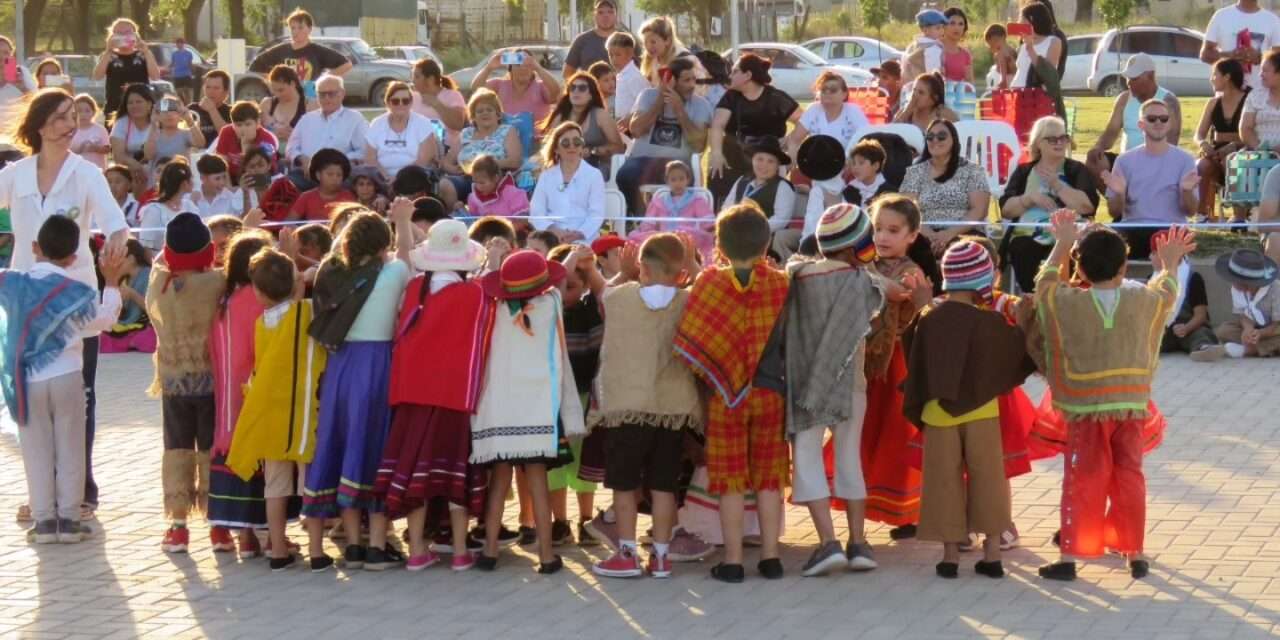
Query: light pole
x=19, y=25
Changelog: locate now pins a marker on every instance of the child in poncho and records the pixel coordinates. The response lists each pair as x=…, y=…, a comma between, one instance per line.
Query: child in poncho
x=1102, y=346
x=727, y=322
x=44, y=312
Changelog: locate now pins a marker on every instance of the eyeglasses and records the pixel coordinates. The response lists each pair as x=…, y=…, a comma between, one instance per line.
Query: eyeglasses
x=574, y=143
x=580, y=88
x=328, y=94
x=941, y=136
x=1062, y=139
x=1155, y=119
x=400, y=102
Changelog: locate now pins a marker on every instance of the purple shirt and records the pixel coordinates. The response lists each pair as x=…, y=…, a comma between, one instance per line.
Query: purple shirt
x=1152, y=193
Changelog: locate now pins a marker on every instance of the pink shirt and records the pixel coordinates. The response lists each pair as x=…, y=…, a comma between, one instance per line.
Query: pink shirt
x=536, y=99
x=94, y=134
x=663, y=205
x=451, y=99
x=955, y=66
x=510, y=201
x=231, y=352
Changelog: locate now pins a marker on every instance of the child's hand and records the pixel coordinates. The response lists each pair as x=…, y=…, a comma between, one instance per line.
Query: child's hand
x=1174, y=246
x=401, y=212
x=112, y=268
x=254, y=218
x=1062, y=224
x=1250, y=336
x=1180, y=330
x=496, y=251
x=915, y=281
x=630, y=262
x=581, y=254
x=287, y=243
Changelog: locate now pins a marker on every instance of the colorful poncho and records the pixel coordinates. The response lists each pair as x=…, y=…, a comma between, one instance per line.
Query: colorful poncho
x=41, y=316
x=726, y=326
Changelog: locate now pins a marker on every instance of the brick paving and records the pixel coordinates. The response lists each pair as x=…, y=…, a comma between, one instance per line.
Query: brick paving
x=1214, y=510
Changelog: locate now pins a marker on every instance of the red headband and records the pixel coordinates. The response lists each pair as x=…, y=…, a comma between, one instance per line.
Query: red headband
x=179, y=262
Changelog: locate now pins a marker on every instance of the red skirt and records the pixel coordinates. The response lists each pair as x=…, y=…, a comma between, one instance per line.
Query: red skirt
x=1017, y=415
x=1048, y=436
x=893, y=485
x=425, y=458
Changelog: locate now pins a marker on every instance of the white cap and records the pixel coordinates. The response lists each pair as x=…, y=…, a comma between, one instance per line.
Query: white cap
x=1138, y=64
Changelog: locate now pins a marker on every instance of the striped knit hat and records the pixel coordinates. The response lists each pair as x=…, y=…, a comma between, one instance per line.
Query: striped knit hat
x=966, y=266
x=845, y=226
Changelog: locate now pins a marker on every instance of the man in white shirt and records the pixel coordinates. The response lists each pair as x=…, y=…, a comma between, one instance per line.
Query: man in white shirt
x=622, y=55
x=332, y=126
x=1243, y=31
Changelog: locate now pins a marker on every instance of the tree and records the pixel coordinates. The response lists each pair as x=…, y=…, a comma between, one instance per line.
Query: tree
x=140, y=11
x=702, y=11
x=1115, y=13
x=32, y=14
x=235, y=9
x=875, y=13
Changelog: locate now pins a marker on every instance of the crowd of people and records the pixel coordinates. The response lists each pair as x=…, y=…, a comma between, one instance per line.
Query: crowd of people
x=297, y=279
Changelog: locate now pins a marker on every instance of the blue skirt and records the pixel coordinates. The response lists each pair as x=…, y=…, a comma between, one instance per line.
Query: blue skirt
x=354, y=421
x=237, y=504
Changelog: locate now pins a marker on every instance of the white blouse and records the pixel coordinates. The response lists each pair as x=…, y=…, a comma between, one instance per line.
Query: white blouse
x=577, y=205
x=399, y=149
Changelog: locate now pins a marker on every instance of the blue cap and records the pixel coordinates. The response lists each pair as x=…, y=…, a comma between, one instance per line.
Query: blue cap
x=931, y=18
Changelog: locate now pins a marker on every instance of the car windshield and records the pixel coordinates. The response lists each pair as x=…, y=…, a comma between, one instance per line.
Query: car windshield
x=362, y=49
x=806, y=55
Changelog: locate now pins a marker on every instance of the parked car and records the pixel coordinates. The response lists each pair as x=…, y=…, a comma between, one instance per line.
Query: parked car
x=853, y=51
x=1175, y=50
x=550, y=56
x=366, y=82
x=1079, y=63
x=411, y=54
x=163, y=51
x=795, y=68
x=80, y=69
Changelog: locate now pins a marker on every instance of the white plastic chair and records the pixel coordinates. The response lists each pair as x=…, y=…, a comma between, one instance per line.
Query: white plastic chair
x=980, y=142
x=909, y=133
x=615, y=163
x=615, y=210
x=695, y=162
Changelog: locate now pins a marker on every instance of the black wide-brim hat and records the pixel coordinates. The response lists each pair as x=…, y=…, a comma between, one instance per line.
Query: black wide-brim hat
x=771, y=146
x=820, y=157
x=1246, y=267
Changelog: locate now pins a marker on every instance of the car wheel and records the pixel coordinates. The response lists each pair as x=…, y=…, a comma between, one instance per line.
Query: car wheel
x=1111, y=87
x=378, y=94
x=252, y=90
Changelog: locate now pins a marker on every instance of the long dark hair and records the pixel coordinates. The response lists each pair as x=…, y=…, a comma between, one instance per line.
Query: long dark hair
x=284, y=74
x=26, y=128
x=1040, y=17
x=171, y=178
x=243, y=246
x=953, y=162
x=428, y=68
x=563, y=110
x=143, y=91
x=1232, y=70
x=936, y=86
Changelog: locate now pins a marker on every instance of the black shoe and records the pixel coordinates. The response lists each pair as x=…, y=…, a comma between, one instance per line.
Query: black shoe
x=320, y=564
x=584, y=538
x=731, y=573
x=527, y=536
x=486, y=563
x=561, y=533
x=280, y=564
x=353, y=557
x=1059, y=571
x=990, y=569
x=1057, y=538
x=905, y=532
x=381, y=559
x=770, y=568
x=1139, y=569
x=548, y=568
x=947, y=570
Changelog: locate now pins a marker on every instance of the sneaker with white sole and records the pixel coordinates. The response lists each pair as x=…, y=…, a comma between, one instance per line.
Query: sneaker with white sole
x=71, y=531
x=1010, y=539
x=604, y=532
x=622, y=564
x=861, y=558
x=826, y=557
x=175, y=540
x=688, y=547
x=659, y=566
x=45, y=532
x=1211, y=353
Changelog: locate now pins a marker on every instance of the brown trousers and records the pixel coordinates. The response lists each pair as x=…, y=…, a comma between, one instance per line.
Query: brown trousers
x=1232, y=331
x=964, y=484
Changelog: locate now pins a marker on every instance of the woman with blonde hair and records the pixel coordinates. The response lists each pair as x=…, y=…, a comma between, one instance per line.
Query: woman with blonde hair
x=661, y=46
x=569, y=189
x=126, y=60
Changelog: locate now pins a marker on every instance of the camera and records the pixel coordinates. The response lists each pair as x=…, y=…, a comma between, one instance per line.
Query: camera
x=511, y=58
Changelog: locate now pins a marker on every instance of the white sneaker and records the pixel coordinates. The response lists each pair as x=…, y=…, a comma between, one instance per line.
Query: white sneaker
x=1211, y=353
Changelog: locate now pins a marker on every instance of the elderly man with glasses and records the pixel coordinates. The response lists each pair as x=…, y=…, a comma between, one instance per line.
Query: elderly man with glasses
x=332, y=126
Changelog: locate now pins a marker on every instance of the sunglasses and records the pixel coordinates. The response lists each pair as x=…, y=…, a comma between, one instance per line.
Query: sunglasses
x=938, y=137
x=328, y=94
x=1062, y=139
x=400, y=102
x=580, y=88
x=1155, y=119
x=572, y=143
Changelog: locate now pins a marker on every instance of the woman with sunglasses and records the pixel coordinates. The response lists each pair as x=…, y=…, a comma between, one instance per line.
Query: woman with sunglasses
x=947, y=187
x=487, y=135
x=831, y=115
x=569, y=190
x=1050, y=181
x=927, y=104
x=751, y=109
x=400, y=137
x=584, y=104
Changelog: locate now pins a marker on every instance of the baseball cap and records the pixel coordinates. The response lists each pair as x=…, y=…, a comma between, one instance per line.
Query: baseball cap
x=931, y=18
x=1138, y=64
x=891, y=67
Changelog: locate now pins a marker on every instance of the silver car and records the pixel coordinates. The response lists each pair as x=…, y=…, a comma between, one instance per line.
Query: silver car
x=551, y=57
x=409, y=53
x=853, y=51
x=1175, y=51
x=366, y=82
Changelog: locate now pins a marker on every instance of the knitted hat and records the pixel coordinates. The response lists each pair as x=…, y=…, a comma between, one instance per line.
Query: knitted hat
x=524, y=274
x=845, y=226
x=966, y=266
x=188, y=245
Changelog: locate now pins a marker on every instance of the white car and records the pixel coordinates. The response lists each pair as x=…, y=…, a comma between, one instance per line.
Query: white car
x=411, y=54
x=853, y=51
x=1175, y=50
x=550, y=56
x=1080, y=50
x=795, y=68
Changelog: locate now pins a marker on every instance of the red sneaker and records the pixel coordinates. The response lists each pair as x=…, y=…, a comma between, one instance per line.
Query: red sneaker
x=250, y=546
x=622, y=564
x=659, y=566
x=220, y=539
x=175, y=540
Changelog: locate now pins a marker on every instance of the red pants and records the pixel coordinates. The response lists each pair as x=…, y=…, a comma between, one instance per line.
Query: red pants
x=1104, y=462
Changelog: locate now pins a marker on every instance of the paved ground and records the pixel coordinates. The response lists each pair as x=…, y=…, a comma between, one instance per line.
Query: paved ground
x=1212, y=523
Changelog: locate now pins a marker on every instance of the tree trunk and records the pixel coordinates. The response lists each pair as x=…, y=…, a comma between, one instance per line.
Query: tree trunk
x=32, y=14
x=80, y=26
x=191, y=20
x=1084, y=11
x=140, y=10
x=236, y=9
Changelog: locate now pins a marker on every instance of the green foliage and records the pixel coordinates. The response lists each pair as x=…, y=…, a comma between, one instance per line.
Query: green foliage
x=875, y=13
x=454, y=58
x=1115, y=13
x=977, y=10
